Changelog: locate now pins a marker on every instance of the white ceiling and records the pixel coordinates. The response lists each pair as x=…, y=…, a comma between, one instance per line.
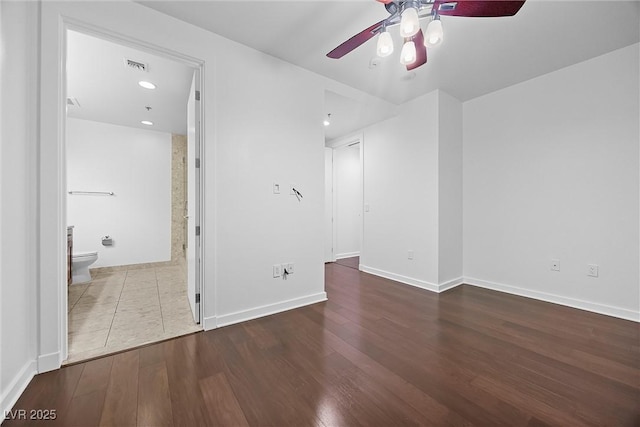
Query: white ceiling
x=108, y=91
x=478, y=55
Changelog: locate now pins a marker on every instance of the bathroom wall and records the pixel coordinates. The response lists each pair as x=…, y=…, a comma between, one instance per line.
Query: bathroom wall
x=136, y=165
x=178, y=198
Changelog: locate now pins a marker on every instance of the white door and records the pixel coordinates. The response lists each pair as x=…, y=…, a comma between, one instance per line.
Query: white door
x=328, y=205
x=193, y=239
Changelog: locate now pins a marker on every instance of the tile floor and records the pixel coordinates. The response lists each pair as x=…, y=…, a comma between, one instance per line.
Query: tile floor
x=124, y=309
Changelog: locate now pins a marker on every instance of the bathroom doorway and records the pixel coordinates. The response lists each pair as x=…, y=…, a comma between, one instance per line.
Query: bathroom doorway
x=133, y=195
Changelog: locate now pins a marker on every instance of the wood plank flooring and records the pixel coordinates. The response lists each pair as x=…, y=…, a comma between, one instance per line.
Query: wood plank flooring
x=378, y=353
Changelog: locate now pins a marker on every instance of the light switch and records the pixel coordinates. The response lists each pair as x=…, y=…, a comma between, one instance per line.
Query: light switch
x=276, y=188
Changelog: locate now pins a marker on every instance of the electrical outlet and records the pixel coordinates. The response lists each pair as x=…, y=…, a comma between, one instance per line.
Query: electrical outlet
x=410, y=255
x=555, y=265
x=592, y=270
x=289, y=268
x=277, y=270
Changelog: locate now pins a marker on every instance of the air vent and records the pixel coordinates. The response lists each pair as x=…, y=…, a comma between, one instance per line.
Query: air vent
x=446, y=7
x=72, y=102
x=136, y=65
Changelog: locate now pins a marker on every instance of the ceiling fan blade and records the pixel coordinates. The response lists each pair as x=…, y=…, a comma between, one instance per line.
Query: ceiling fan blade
x=421, y=51
x=478, y=8
x=355, y=41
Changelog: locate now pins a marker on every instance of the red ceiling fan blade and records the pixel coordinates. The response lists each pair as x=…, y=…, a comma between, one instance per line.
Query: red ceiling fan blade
x=421, y=51
x=355, y=41
x=478, y=8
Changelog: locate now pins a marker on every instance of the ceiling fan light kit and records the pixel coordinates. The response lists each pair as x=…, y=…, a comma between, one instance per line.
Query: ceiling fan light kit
x=410, y=23
x=385, y=44
x=434, y=34
x=408, y=53
x=407, y=13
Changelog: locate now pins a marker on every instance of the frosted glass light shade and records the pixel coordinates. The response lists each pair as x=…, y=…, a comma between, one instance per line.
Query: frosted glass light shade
x=434, y=34
x=385, y=45
x=408, y=53
x=409, y=24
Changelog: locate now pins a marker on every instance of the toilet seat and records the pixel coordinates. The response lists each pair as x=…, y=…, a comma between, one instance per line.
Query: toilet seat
x=78, y=255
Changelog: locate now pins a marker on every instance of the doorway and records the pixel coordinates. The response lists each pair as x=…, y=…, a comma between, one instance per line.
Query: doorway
x=344, y=202
x=133, y=195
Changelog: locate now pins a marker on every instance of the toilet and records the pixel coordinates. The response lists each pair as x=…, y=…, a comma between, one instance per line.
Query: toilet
x=80, y=262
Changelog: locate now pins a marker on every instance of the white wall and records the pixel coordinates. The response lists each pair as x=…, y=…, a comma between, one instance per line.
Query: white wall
x=260, y=125
x=347, y=174
x=449, y=189
x=401, y=189
x=18, y=274
x=551, y=171
x=267, y=130
x=133, y=163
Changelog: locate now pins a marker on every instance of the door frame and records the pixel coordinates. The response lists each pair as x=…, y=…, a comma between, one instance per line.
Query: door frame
x=61, y=193
x=338, y=144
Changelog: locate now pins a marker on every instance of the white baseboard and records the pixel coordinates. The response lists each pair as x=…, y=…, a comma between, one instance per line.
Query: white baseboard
x=210, y=323
x=618, y=312
x=266, y=310
x=49, y=362
x=17, y=386
x=399, y=278
x=450, y=284
x=347, y=255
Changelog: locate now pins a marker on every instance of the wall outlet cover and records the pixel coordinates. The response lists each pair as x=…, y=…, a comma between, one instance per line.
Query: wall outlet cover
x=289, y=268
x=277, y=270
x=555, y=265
x=592, y=270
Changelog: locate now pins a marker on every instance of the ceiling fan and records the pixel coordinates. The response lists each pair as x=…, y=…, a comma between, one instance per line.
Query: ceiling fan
x=408, y=13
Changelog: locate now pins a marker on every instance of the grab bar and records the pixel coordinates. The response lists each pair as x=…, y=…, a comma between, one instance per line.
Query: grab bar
x=104, y=193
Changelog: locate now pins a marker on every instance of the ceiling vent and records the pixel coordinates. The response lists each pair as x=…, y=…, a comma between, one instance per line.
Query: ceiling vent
x=72, y=102
x=136, y=65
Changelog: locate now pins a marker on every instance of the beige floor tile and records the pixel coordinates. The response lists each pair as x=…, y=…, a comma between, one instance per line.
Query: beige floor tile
x=88, y=299
x=139, y=284
x=135, y=336
x=135, y=320
x=132, y=305
x=107, y=280
x=180, y=328
x=172, y=281
x=103, y=289
x=178, y=288
x=74, y=294
x=139, y=294
x=123, y=324
x=87, y=340
x=126, y=308
x=142, y=274
x=175, y=308
x=171, y=270
x=172, y=297
x=136, y=308
x=90, y=323
x=92, y=309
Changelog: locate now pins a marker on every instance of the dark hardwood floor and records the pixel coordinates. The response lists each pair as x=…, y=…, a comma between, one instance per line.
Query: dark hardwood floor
x=353, y=262
x=378, y=353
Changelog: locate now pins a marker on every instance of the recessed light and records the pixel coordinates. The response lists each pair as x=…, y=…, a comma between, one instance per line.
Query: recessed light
x=146, y=85
x=147, y=122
